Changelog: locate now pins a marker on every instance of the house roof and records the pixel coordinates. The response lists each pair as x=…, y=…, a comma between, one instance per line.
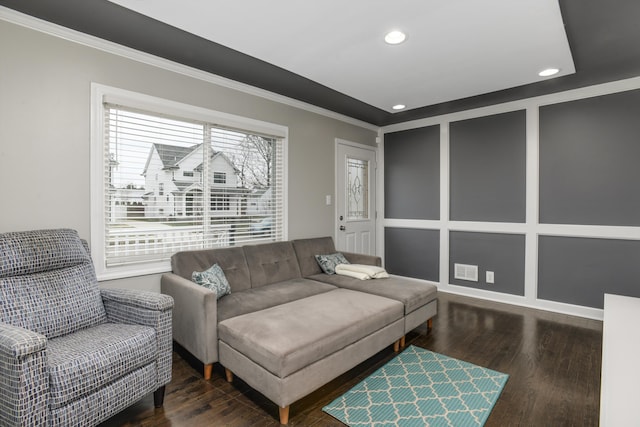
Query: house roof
x=170, y=155
x=215, y=154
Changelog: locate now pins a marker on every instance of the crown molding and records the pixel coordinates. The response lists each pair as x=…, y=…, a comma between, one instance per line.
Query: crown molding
x=36, y=24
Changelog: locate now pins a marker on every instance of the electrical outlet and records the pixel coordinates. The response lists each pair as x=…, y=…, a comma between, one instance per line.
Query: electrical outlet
x=490, y=278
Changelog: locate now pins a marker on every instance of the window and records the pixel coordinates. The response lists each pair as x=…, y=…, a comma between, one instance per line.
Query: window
x=219, y=178
x=144, y=146
x=220, y=203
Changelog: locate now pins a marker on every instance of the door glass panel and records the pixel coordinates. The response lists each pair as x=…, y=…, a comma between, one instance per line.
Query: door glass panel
x=357, y=189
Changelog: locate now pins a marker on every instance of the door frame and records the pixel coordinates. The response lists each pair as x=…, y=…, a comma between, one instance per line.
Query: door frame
x=376, y=193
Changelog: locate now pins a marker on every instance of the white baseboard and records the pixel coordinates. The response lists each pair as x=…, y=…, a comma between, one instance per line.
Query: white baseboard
x=538, y=304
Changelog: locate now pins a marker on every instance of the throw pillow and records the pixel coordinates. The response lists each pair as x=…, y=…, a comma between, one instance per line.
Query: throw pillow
x=214, y=279
x=328, y=262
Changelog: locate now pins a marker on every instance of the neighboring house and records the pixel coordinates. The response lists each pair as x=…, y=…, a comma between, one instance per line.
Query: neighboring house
x=126, y=203
x=173, y=183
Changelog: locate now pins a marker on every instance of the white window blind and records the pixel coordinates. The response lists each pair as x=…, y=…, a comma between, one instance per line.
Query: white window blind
x=173, y=184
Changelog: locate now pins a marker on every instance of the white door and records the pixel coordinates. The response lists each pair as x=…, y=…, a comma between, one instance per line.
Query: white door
x=355, y=198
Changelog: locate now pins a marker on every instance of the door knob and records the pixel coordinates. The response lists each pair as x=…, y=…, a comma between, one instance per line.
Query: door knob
x=342, y=228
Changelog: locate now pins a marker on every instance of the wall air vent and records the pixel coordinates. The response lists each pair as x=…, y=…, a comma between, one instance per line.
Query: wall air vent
x=465, y=272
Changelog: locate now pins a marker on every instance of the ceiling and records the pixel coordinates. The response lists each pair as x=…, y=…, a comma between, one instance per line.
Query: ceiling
x=454, y=49
x=458, y=54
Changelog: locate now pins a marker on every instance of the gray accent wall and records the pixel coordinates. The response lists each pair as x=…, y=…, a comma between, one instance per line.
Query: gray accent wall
x=587, y=234
x=412, y=173
x=488, y=168
x=501, y=253
x=589, y=161
x=580, y=271
x=412, y=252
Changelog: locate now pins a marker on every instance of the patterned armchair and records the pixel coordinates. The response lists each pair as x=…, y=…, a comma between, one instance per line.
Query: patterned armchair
x=72, y=354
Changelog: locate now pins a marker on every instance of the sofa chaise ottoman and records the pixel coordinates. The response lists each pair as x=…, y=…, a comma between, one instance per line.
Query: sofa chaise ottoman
x=287, y=328
x=287, y=351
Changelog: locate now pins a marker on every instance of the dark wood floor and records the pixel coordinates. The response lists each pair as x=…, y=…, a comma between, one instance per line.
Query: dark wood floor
x=553, y=362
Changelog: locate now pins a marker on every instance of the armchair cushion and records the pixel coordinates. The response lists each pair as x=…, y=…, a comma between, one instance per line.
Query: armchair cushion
x=53, y=290
x=92, y=358
x=53, y=303
x=30, y=252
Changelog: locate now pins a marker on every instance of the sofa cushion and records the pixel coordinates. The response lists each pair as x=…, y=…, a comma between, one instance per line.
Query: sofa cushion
x=87, y=360
x=212, y=278
x=231, y=260
x=328, y=262
x=307, y=249
x=289, y=337
x=257, y=299
x=412, y=293
x=271, y=263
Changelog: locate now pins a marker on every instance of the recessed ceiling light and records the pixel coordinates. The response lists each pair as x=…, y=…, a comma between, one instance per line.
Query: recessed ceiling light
x=395, y=37
x=549, y=72
x=399, y=107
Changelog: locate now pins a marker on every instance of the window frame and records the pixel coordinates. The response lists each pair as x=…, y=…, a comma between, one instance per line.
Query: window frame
x=219, y=177
x=99, y=95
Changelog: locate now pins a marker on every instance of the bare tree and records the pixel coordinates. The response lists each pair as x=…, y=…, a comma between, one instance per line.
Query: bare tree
x=254, y=161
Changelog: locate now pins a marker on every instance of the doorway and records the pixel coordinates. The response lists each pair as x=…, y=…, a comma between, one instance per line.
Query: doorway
x=355, y=197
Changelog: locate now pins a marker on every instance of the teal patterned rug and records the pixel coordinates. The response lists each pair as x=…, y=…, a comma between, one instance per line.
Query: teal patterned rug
x=421, y=388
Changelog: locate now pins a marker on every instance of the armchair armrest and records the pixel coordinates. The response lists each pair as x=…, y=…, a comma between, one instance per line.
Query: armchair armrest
x=140, y=299
x=23, y=377
x=354, y=258
x=135, y=307
x=195, y=321
x=18, y=342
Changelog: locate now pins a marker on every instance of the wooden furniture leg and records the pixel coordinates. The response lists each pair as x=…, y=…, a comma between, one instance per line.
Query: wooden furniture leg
x=207, y=371
x=229, y=375
x=284, y=415
x=429, y=324
x=396, y=346
x=403, y=341
x=158, y=397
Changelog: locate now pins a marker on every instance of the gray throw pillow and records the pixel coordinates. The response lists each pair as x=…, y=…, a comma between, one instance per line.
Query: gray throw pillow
x=214, y=279
x=328, y=262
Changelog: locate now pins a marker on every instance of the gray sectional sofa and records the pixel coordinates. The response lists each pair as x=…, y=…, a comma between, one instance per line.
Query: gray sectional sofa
x=287, y=328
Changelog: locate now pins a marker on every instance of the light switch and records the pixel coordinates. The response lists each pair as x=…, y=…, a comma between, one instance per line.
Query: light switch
x=328, y=199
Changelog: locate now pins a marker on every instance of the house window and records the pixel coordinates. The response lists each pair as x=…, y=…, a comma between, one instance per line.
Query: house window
x=150, y=145
x=219, y=178
x=220, y=202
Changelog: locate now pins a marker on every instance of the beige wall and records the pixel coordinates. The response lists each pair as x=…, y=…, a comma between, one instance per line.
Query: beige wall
x=45, y=102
